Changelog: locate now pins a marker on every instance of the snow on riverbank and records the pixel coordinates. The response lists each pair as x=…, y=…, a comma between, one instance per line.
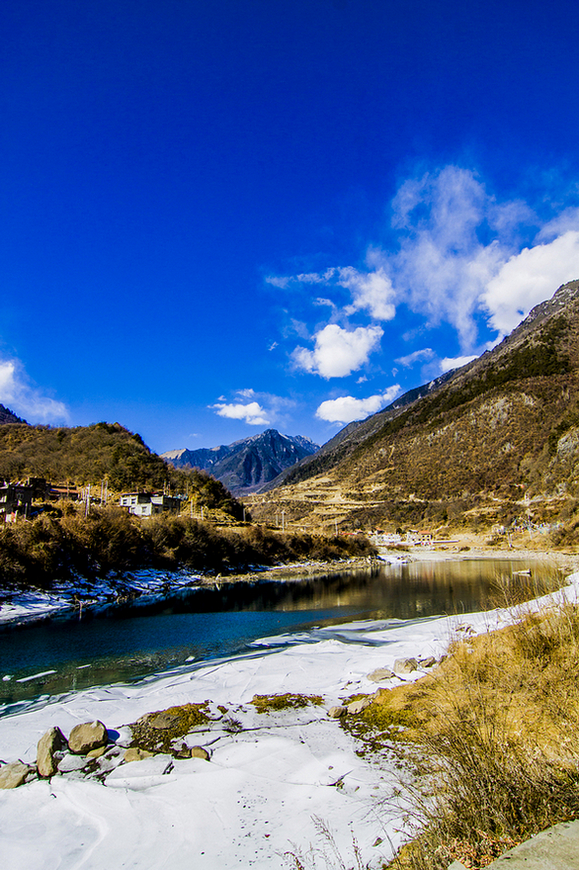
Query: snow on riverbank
x=265, y=783
x=139, y=587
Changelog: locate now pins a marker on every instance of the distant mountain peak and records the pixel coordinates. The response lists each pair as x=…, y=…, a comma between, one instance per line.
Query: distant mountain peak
x=248, y=464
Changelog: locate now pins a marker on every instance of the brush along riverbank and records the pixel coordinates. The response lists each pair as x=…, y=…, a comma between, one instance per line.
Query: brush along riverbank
x=488, y=740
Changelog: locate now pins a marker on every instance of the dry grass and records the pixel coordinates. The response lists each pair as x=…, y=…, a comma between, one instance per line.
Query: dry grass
x=496, y=727
x=287, y=701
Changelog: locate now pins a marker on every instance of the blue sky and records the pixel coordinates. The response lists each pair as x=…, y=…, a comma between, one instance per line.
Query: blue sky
x=220, y=216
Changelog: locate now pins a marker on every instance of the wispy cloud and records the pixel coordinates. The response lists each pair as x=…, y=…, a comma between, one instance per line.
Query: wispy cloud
x=347, y=408
x=338, y=352
x=423, y=355
x=18, y=393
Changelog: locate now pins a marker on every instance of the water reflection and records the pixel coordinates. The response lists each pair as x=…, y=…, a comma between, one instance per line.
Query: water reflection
x=206, y=623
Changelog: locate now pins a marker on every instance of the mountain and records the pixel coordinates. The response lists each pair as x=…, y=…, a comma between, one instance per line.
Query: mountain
x=8, y=416
x=246, y=465
x=491, y=441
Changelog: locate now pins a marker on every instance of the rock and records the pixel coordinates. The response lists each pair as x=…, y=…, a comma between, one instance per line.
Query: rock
x=14, y=774
x=87, y=736
x=96, y=753
x=336, y=712
x=50, y=743
x=182, y=752
x=200, y=752
x=380, y=674
x=71, y=762
x=405, y=666
x=357, y=706
x=427, y=662
x=136, y=754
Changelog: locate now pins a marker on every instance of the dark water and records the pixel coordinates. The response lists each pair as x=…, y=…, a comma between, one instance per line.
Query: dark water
x=215, y=623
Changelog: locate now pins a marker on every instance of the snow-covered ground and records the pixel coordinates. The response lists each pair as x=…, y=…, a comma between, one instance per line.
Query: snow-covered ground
x=139, y=587
x=265, y=785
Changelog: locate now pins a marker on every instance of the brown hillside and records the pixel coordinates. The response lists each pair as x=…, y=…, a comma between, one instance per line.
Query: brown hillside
x=496, y=439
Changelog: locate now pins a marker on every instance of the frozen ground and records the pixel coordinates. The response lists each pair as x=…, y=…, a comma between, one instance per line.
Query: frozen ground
x=265, y=785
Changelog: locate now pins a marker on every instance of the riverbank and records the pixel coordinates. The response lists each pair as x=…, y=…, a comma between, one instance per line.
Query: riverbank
x=270, y=775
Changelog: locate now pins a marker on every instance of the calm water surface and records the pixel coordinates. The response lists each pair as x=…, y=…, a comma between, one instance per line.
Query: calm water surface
x=216, y=623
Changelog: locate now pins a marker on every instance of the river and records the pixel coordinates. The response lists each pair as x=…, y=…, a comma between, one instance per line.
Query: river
x=202, y=624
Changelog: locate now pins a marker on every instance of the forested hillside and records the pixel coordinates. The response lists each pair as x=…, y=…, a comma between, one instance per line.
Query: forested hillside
x=104, y=451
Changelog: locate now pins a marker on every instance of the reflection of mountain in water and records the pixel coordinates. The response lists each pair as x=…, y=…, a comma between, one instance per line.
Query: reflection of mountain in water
x=401, y=591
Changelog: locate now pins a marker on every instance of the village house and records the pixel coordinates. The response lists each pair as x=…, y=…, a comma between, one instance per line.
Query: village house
x=15, y=501
x=146, y=504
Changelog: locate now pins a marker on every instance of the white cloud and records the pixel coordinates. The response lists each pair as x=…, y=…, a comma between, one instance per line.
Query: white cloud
x=448, y=364
x=371, y=291
x=338, y=352
x=529, y=278
x=252, y=413
x=25, y=399
x=417, y=356
x=458, y=258
x=347, y=408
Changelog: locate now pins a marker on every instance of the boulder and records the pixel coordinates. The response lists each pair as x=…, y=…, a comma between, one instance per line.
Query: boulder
x=87, y=736
x=336, y=712
x=356, y=707
x=14, y=774
x=380, y=674
x=50, y=743
x=405, y=666
x=200, y=752
x=70, y=763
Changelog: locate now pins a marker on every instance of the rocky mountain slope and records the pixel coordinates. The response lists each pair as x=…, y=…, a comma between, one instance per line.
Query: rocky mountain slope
x=246, y=465
x=494, y=440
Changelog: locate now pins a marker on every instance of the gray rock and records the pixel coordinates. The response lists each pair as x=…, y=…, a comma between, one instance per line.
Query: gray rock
x=357, y=706
x=380, y=674
x=87, y=736
x=71, y=762
x=14, y=774
x=405, y=666
x=49, y=744
x=336, y=712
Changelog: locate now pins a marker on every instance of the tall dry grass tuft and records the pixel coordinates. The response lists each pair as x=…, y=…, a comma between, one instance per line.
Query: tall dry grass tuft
x=498, y=736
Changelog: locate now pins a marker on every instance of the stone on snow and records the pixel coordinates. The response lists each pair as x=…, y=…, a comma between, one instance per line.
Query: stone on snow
x=87, y=736
x=51, y=742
